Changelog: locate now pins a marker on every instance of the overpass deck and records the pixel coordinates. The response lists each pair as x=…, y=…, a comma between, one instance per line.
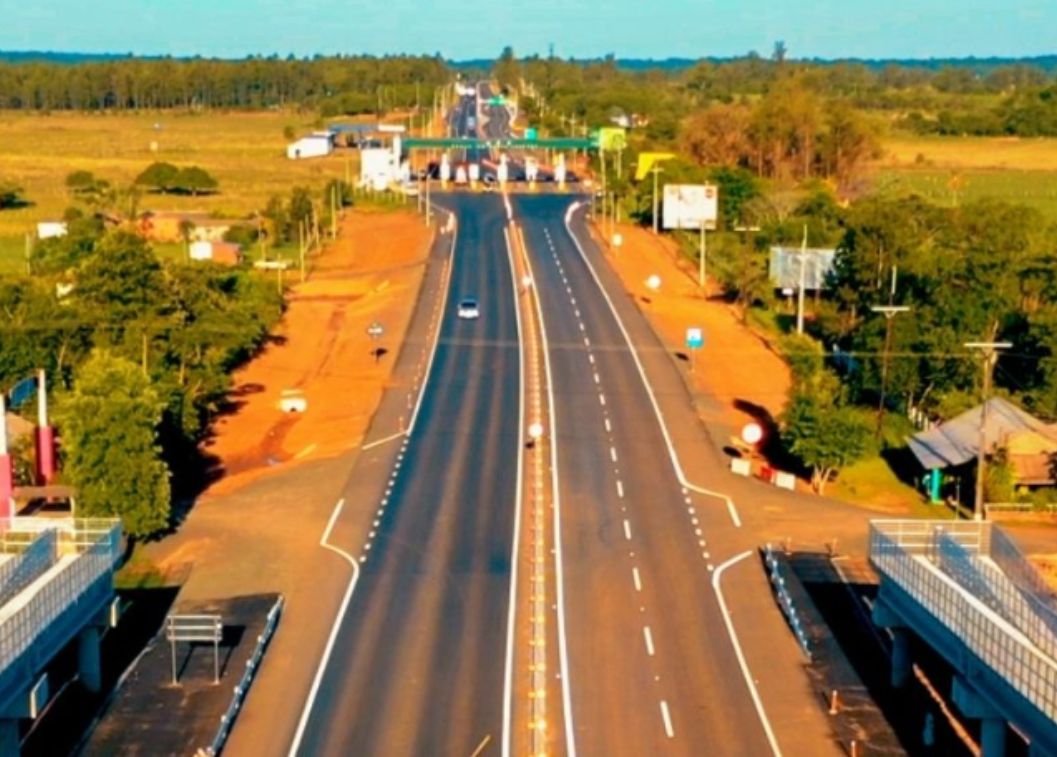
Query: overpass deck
x=966, y=590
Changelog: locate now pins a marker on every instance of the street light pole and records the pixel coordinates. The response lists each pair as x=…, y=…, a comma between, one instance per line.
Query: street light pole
x=989, y=350
x=655, y=170
x=889, y=312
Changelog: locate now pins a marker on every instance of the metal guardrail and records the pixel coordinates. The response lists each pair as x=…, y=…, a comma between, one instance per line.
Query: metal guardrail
x=785, y=601
x=227, y=720
x=93, y=548
x=908, y=552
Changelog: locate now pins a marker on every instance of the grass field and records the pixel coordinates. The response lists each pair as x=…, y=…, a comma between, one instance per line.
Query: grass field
x=949, y=170
x=244, y=151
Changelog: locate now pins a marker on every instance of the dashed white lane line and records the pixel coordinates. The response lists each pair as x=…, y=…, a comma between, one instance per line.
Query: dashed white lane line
x=613, y=454
x=627, y=530
x=620, y=488
x=667, y=718
x=602, y=398
x=609, y=426
x=591, y=358
x=598, y=379
x=649, y=640
x=637, y=579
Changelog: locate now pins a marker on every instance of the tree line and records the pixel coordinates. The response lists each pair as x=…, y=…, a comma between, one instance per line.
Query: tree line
x=362, y=83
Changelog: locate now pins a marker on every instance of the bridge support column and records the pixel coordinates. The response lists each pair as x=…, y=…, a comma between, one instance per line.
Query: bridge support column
x=89, y=669
x=993, y=737
x=901, y=667
x=10, y=744
x=993, y=725
x=885, y=617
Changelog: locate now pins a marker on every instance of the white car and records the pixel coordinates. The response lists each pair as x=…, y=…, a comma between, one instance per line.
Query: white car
x=468, y=309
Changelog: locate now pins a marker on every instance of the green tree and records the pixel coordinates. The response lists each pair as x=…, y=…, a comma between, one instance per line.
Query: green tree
x=195, y=181
x=109, y=432
x=11, y=195
x=824, y=436
x=159, y=176
x=85, y=187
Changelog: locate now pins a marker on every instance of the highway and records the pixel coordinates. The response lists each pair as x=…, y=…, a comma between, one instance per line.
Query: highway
x=418, y=663
x=652, y=669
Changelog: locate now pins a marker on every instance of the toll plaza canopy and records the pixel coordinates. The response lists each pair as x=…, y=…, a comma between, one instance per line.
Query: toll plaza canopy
x=472, y=143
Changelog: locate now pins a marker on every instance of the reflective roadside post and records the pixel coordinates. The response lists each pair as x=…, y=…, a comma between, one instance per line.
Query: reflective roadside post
x=535, y=432
x=695, y=340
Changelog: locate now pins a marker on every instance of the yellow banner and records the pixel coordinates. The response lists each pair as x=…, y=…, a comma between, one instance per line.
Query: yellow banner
x=647, y=160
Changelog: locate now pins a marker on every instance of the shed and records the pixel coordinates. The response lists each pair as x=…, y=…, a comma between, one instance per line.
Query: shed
x=1031, y=444
x=312, y=146
x=49, y=229
x=228, y=253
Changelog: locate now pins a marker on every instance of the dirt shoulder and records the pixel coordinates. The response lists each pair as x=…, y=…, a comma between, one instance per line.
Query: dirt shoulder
x=258, y=529
x=371, y=273
x=736, y=365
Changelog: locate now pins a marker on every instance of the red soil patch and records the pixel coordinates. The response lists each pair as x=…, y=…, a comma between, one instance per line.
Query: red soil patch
x=372, y=272
x=736, y=364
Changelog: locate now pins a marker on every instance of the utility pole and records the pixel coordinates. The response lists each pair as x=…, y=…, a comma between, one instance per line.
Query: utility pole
x=800, y=286
x=655, y=170
x=889, y=312
x=428, y=209
x=989, y=350
x=701, y=259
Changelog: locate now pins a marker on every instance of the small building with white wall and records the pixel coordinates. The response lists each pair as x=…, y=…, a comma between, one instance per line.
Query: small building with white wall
x=378, y=168
x=315, y=145
x=50, y=229
x=219, y=252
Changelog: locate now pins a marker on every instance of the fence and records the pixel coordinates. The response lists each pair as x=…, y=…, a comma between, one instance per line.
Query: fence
x=95, y=551
x=30, y=561
x=908, y=553
x=227, y=720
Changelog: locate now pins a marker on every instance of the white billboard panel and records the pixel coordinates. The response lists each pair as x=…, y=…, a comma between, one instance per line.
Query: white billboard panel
x=687, y=206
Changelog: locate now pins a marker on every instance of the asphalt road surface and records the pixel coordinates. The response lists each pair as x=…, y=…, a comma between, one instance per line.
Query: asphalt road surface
x=652, y=670
x=418, y=665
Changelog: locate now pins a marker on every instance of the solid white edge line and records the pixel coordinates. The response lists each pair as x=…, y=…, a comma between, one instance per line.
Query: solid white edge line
x=667, y=718
x=745, y=672
x=440, y=321
x=642, y=374
x=563, y=652
x=317, y=680
x=508, y=674
x=324, y=660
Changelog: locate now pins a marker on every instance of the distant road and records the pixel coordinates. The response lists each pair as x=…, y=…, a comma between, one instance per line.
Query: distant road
x=418, y=665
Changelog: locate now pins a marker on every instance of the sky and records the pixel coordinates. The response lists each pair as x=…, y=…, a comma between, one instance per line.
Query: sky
x=464, y=29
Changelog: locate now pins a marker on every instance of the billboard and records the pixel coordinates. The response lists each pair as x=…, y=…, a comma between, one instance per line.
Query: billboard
x=688, y=206
x=612, y=138
x=784, y=269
